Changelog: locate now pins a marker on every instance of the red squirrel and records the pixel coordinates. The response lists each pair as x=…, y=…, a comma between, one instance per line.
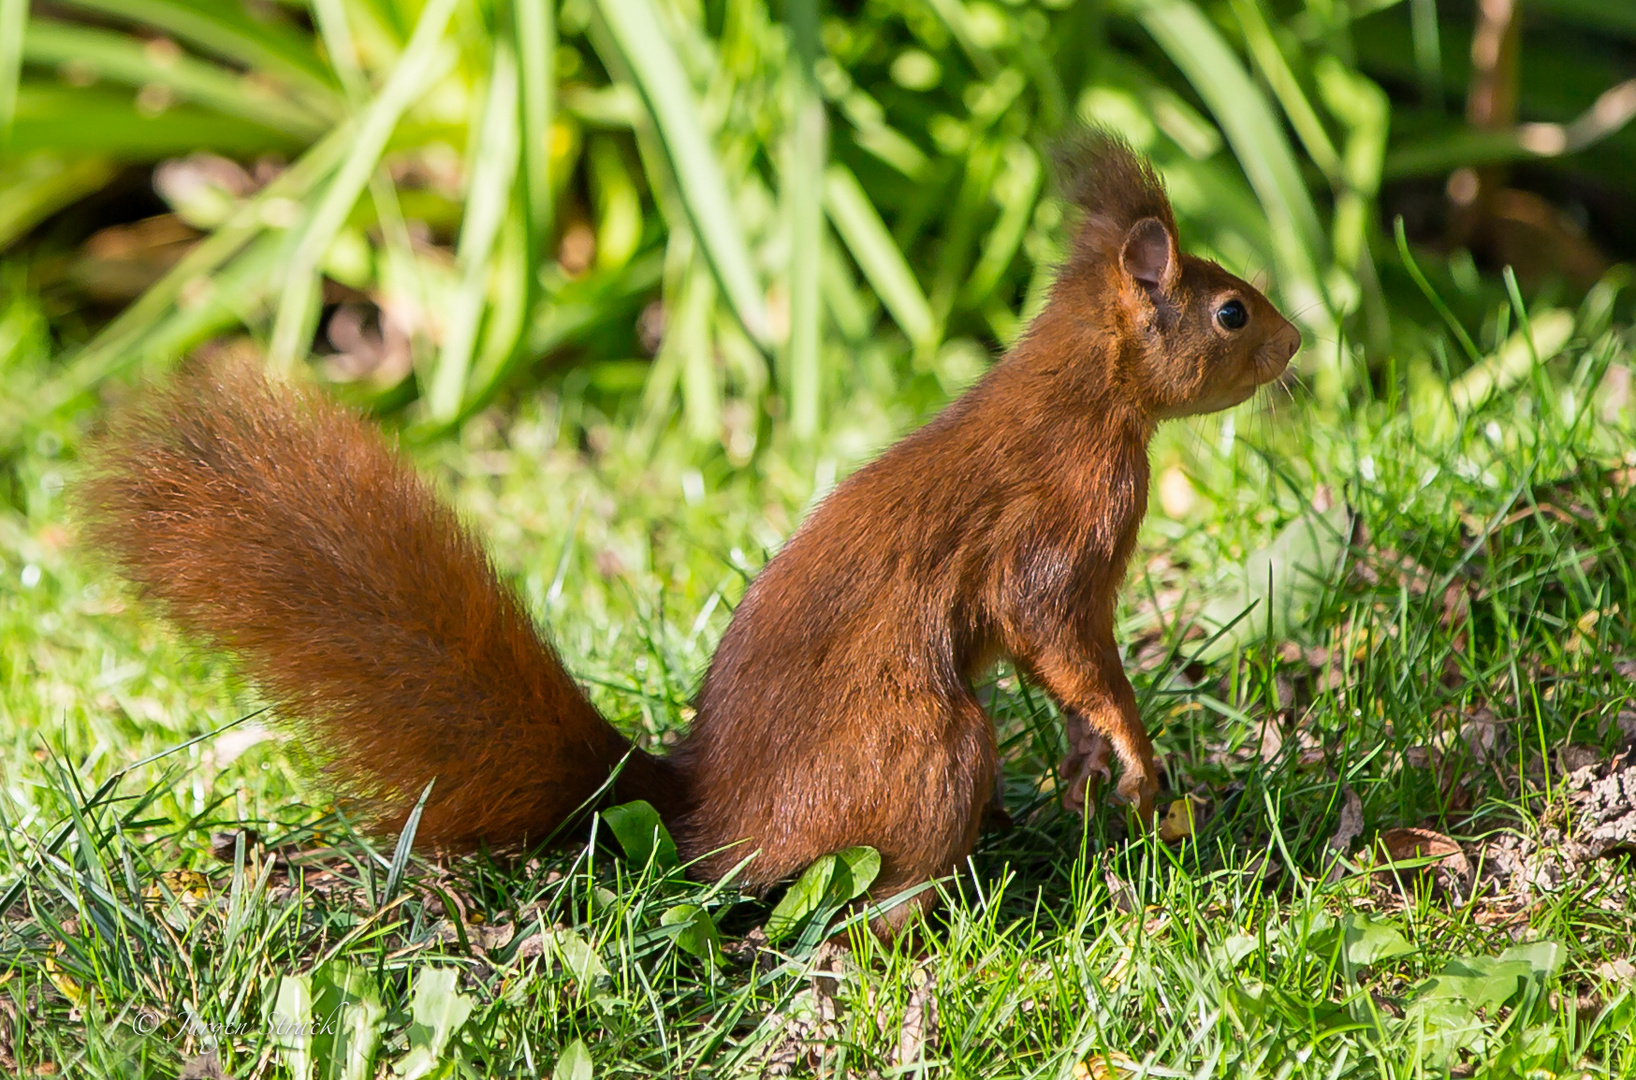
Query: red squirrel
x=838, y=709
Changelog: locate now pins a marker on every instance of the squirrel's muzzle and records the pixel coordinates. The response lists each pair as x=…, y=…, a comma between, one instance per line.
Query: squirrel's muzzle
x=1276, y=352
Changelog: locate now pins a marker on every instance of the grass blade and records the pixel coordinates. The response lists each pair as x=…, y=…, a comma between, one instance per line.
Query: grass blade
x=406, y=844
x=486, y=202
x=646, y=52
x=535, y=28
x=115, y=56
x=409, y=79
x=1197, y=48
x=801, y=192
x=225, y=30
x=13, y=21
x=1436, y=301
x=871, y=245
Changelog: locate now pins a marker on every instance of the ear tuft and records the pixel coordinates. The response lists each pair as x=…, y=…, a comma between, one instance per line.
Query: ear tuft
x=1115, y=188
x=1149, y=255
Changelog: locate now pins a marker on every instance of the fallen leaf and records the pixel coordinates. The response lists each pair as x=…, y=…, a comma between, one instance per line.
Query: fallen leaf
x=1179, y=818
x=1275, y=587
x=919, y=1025
x=1124, y=897
x=206, y=1066
x=188, y=886
x=70, y=989
x=1447, y=863
x=1110, y=1066
x=1348, y=829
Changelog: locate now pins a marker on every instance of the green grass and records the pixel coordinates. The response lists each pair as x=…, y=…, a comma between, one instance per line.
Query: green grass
x=797, y=179
x=1250, y=948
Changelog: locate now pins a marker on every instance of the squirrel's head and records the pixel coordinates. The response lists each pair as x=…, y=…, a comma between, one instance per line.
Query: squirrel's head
x=1193, y=338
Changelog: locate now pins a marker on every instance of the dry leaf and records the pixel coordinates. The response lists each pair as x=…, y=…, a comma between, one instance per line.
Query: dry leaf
x=1124, y=897
x=1605, y=817
x=206, y=1066
x=919, y=1026
x=1450, y=869
x=69, y=988
x=1620, y=972
x=1348, y=829
x=190, y=887
x=1110, y=1066
x=1180, y=817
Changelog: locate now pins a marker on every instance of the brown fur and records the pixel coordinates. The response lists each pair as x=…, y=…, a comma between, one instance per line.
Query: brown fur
x=838, y=709
x=282, y=529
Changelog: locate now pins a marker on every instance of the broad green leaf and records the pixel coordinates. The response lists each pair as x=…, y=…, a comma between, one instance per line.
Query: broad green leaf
x=437, y=1010
x=637, y=827
x=1544, y=958
x=698, y=935
x=348, y=1018
x=822, y=889
x=862, y=866
x=1363, y=941
x=290, y=1022
x=574, y=1063
x=580, y=959
x=804, y=898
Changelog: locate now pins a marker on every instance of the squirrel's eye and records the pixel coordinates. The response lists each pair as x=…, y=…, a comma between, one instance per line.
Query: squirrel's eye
x=1233, y=315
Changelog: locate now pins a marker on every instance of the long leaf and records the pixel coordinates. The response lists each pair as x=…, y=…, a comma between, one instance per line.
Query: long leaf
x=801, y=192
x=126, y=60
x=100, y=121
x=486, y=204
x=1239, y=106
x=636, y=30
x=13, y=20
x=224, y=29
x=877, y=255
x=407, y=82
x=536, y=30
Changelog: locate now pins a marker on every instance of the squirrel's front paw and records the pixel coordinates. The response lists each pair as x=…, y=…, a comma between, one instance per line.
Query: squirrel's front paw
x=1085, y=767
x=1137, y=787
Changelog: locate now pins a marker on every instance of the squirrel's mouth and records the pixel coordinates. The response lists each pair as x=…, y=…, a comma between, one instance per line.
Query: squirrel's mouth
x=1274, y=355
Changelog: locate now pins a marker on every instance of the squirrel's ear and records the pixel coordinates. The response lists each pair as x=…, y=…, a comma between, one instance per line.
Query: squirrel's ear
x=1150, y=256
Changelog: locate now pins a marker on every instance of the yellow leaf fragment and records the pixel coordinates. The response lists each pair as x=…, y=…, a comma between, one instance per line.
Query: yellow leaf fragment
x=1110, y=1066
x=1179, y=818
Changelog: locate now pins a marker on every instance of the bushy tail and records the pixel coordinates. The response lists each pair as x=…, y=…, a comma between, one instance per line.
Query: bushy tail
x=281, y=528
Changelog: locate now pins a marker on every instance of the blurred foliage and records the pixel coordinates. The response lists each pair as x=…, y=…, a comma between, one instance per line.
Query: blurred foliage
x=434, y=199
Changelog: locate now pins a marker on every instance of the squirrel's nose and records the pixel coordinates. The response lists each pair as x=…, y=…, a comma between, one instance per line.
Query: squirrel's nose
x=1287, y=342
